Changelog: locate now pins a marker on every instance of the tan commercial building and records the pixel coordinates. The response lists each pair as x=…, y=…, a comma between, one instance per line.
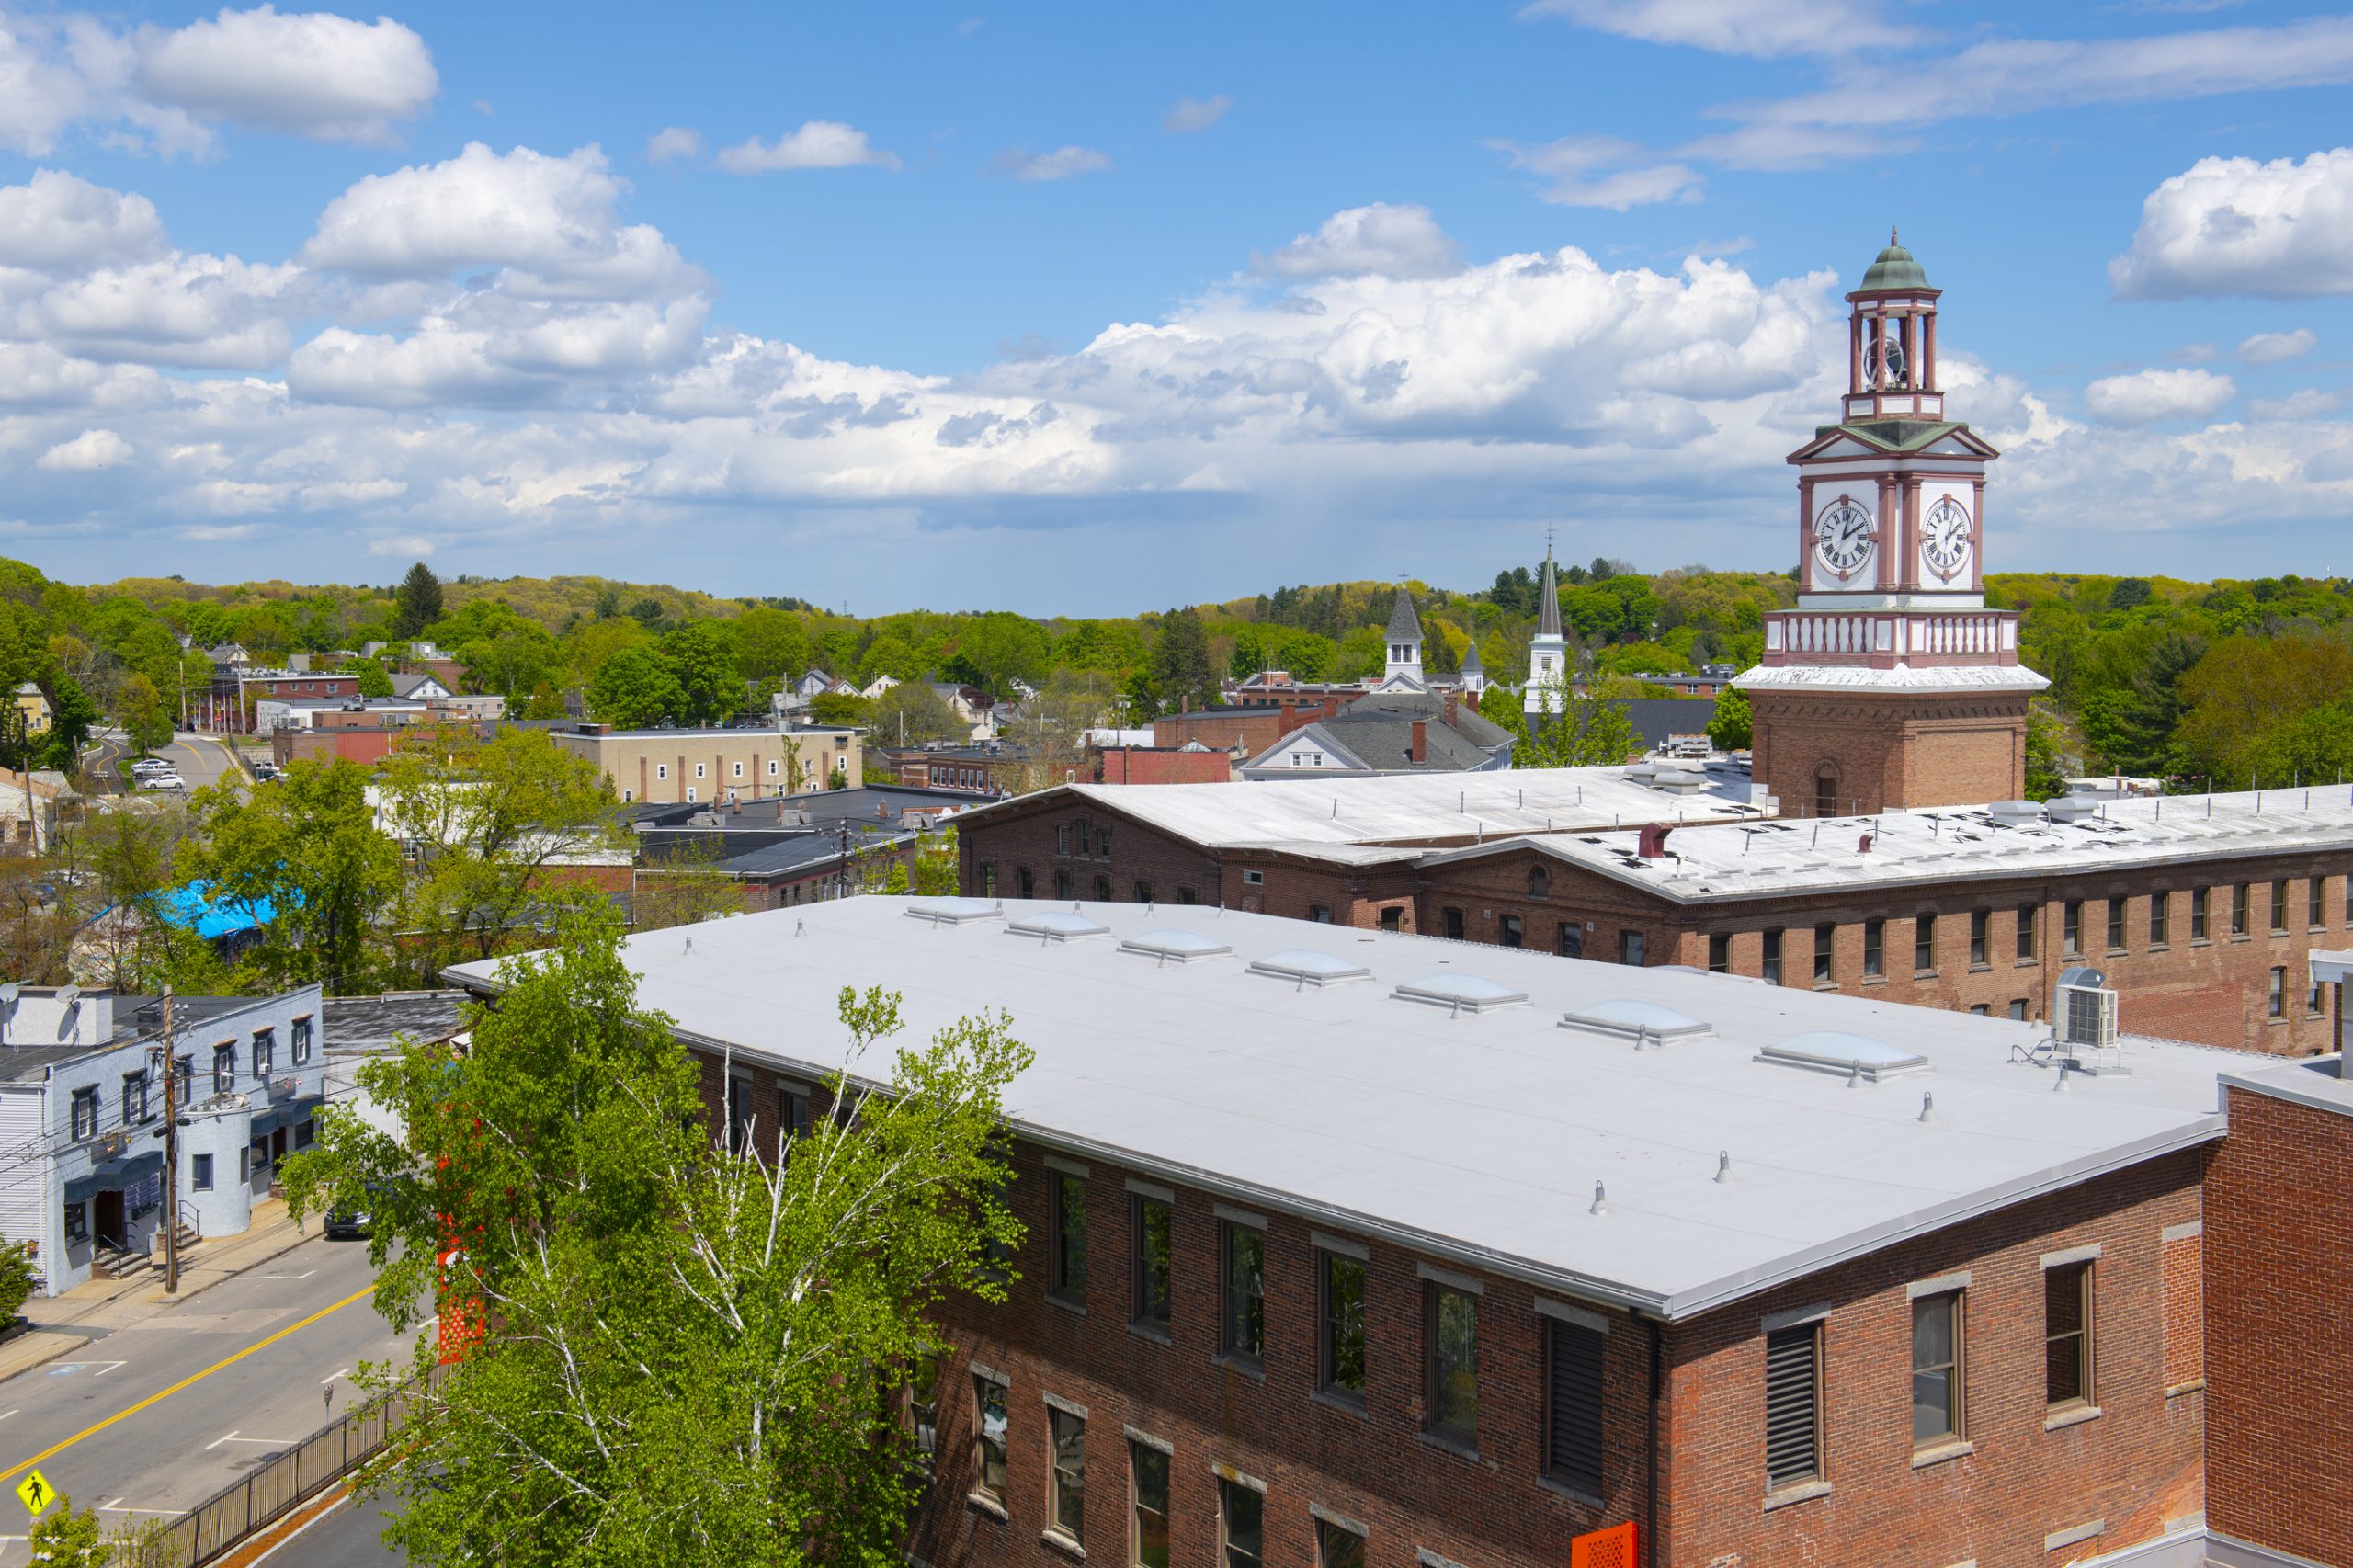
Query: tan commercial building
x=717, y=765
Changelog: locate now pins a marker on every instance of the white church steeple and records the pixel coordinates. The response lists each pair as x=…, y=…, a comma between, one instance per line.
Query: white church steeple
x=1548, y=651
x=1405, y=643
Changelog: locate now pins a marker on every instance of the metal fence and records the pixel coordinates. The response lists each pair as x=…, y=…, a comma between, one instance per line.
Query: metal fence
x=274, y=1488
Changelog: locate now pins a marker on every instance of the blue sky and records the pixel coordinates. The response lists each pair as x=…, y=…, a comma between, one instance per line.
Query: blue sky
x=1091, y=309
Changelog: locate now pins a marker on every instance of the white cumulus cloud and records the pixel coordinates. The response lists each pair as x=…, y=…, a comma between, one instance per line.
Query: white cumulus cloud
x=818, y=144
x=2270, y=347
x=59, y=222
x=1060, y=163
x=86, y=453
x=2279, y=230
x=2148, y=397
x=1394, y=242
x=1196, y=114
x=673, y=141
x=312, y=73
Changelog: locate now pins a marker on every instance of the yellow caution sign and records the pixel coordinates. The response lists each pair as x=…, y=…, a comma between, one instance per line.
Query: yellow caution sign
x=36, y=1492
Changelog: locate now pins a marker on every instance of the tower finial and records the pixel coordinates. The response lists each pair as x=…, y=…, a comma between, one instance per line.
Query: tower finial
x=1891, y=235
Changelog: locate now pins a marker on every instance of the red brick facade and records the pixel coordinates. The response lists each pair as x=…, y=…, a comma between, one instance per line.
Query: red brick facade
x=1872, y=754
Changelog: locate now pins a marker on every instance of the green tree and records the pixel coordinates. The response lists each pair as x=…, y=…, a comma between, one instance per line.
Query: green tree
x=701, y=656
x=72, y=715
x=307, y=845
x=373, y=680
x=681, y=886
x=65, y=1539
x=501, y=829
x=910, y=714
x=1180, y=662
x=634, y=689
x=1591, y=731
x=841, y=708
x=18, y=1276
x=417, y=603
x=1729, y=727
x=770, y=644
x=695, y=1348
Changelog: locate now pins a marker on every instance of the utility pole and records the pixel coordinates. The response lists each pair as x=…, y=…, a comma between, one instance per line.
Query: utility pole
x=171, y=1154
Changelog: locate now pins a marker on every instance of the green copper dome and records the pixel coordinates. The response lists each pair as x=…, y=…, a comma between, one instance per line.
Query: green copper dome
x=1895, y=268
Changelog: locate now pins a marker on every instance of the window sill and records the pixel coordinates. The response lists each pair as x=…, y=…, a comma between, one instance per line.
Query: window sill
x=2176, y=1390
x=2029, y=962
x=1981, y=968
x=1451, y=1445
x=1803, y=1491
x=1156, y=1333
x=1251, y=1369
x=1927, y=974
x=981, y=1502
x=2160, y=946
x=1063, y=1544
x=1942, y=1452
x=1874, y=980
x=2074, y=1415
x=1573, y=1494
x=1825, y=986
x=1066, y=1304
x=1352, y=1405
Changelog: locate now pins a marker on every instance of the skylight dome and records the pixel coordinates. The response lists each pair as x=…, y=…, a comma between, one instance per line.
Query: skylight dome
x=1644, y=1023
x=954, y=911
x=1174, y=946
x=1847, y=1055
x=1058, y=925
x=1309, y=968
x=1462, y=992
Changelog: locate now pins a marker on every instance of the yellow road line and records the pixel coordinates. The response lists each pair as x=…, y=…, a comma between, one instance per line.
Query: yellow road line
x=192, y=1377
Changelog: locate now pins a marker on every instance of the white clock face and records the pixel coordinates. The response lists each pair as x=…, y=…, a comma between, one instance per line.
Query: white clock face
x=1944, y=539
x=1843, y=538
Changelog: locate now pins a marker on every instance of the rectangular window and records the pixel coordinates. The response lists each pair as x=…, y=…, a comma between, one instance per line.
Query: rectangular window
x=2279, y=907
x=1256, y=880
x=2018, y=1009
x=2316, y=902
x=923, y=1410
x=1154, y=1282
x=1630, y=948
x=1770, y=967
x=86, y=1113
x=1569, y=939
x=1936, y=1370
x=2116, y=907
x=1452, y=924
x=1719, y=953
x=200, y=1172
x=1874, y=949
x=134, y=1098
x=988, y=1438
x=1243, y=1328
x=1341, y=1310
x=1067, y=1507
x=1573, y=1436
x=739, y=1115
x=264, y=1054
x=1067, y=1276
x=698, y=769
x=2197, y=905
x=1454, y=1364
x=661, y=770
x=1823, y=937
x=1148, y=1473
x=1241, y=1515
x=739, y=770
x=1336, y=1546
x=2239, y=909
x=1981, y=927
x=301, y=1041
x=2160, y=918
x=2275, y=1002
x=225, y=1069
x=2030, y=916
x=2071, y=926
x=1062, y=840
x=77, y=1222
x=1793, y=1405
x=1507, y=929
x=1924, y=943
x=2067, y=1335
x=2315, y=1001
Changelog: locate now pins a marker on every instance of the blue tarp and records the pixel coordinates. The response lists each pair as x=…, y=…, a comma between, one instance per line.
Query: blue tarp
x=189, y=906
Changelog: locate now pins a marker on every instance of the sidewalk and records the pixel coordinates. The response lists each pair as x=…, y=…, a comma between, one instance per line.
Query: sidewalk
x=62, y=1324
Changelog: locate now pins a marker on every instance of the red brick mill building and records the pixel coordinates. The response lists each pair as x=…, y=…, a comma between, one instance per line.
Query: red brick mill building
x=1343, y=1247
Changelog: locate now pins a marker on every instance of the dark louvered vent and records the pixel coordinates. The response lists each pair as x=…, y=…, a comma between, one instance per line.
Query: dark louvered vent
x=1792, y=1406
x=1575, y=1436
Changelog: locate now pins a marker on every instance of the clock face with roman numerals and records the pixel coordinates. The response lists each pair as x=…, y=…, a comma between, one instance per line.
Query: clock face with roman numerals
x=1843, y=538
x=1944, y=539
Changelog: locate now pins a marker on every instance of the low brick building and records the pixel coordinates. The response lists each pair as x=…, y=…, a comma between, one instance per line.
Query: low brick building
x=716, y=765
x=1665, y=1269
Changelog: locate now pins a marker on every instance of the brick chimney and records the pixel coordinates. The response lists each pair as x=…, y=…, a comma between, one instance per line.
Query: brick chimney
x=1652, y=845
x=1450, y=701
x=1421, y=747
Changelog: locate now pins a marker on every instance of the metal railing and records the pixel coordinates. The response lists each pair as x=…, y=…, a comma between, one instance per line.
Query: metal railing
x=274, y=1488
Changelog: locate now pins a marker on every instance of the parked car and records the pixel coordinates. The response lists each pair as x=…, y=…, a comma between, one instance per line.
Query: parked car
x=163, y=781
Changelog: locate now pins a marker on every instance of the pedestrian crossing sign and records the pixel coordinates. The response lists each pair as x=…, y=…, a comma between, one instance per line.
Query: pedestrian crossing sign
x=36, y=1492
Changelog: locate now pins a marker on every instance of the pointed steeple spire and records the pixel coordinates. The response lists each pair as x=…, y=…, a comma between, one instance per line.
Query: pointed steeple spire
x=1548, y=608
x=1405, y=626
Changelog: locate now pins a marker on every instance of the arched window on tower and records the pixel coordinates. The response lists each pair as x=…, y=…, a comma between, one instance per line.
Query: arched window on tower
x=1825, y=792
x=1540, y=883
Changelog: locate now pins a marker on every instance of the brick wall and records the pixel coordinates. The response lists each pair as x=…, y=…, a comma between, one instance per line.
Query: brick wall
x=1154, y=765
x=1889, y=752
x=2279, y=1262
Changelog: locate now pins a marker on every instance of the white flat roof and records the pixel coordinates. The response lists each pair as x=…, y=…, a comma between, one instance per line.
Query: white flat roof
x=1408, y=808
x=1946, y=844
x=1476, y=1137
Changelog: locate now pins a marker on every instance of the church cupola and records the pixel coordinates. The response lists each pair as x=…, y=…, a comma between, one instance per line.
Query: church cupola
x=1891, y=341
x=1548, y=651
x=1404, y=640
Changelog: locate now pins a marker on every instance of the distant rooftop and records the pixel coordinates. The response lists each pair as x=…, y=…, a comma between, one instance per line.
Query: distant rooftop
x=1295, y=1075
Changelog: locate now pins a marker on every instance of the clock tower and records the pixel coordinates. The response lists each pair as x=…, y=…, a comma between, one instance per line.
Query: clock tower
x=1891, y=685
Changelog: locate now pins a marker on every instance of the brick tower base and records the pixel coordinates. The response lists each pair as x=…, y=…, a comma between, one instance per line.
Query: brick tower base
x=1880, y=753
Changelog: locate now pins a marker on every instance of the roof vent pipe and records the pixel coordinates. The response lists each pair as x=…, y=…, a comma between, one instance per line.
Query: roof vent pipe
x=1600, y=1200
x=1724, y=1166
x=1928, y=1108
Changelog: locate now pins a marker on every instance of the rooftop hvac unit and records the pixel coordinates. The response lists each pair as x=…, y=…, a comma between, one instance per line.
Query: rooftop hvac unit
x=2083, y=1017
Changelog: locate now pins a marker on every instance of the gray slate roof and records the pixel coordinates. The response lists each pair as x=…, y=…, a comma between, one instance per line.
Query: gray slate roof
x=1405, y=626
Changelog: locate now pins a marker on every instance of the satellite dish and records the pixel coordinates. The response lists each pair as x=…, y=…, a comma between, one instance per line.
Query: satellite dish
x=8, y=994
x=68, y=995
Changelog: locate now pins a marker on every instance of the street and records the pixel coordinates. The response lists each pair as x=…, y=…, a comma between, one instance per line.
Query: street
x=160, y=1416
x=200, y=759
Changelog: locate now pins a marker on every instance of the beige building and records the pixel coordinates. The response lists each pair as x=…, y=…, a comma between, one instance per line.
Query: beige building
x=717, y=765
